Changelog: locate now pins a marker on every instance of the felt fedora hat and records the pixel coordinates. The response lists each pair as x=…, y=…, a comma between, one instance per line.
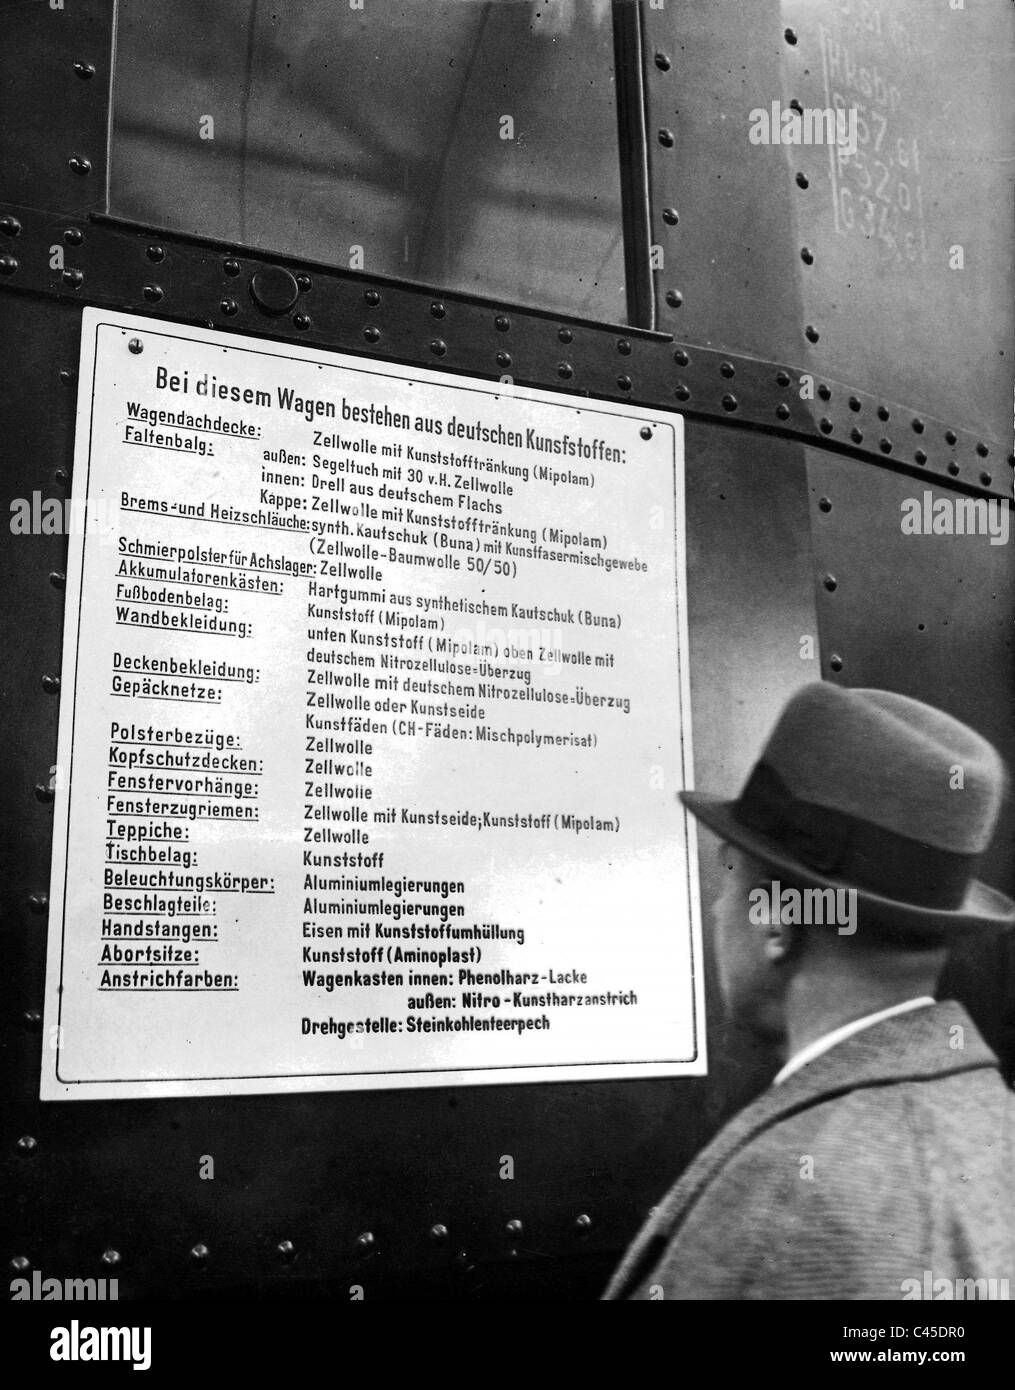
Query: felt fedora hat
x=869, y=790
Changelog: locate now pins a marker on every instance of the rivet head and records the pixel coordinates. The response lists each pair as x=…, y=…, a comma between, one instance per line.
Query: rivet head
x=514, y=1228
x=32, y=1019
x=884, y=413
x=885, y=445
x=274, y=289
x=438, y=347
x=38, y=903
x=8, y=265
x=645, y=432
x=57, y=578
x=565, y=370
x=729, y=402
x=365, y=1241
x=502, y=323
x=73, y=236
x=372, y=335
x=10, y=226
x=825, y=392
x=811, y=333
x=67, y=378
x=790, y=37
x=674, y=299
x=153, y=293
x=918, y=425
x=681, y=358
x=624, y=347
x=27, y=1145
x=682, y=392
x=199, y=1253
x=503, y=359
x=135, y=346
x=111, y=1258
x=20, y=1263
x=662, y=62
x=302, y=322
x=74, y=278
x=671, y=217
x=856, y=435
x=807, y=255
x=44, y=792
x=624, y=382
x=982, y=450
x=228, y=307
x=51, y=684
x=953, y=468
x=802, y=181
x=437, y=309
x=855, y=404
x=825, y=425
x=986, y=479
x=304, y=283
x=831, y=583
x=835, y=661
x=824, y=505
x=79, y=164
x=285, y=1249
x=782, y=378
x=438, y=1233
x=155, y=252
x=231, y=267
x=666, y=139
x=84, y=70
x=920, y=456
x=371, y=297
x=565, y=335
x=951, y=437
x=727, y=370
x=583, y=1222
x=782, y=411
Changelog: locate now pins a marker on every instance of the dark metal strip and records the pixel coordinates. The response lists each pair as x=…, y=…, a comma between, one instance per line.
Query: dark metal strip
x=635, y=197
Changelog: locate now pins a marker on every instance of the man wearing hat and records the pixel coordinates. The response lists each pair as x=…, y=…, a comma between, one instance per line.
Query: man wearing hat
x=880, y=1163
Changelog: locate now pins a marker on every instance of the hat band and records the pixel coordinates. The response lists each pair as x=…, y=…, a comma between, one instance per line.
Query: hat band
x=841, y=845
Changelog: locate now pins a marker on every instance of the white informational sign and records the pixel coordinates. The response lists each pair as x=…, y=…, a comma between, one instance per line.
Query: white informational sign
x=375, y=710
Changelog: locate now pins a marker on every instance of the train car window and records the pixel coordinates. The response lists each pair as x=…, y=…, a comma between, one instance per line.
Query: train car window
x=467, y=145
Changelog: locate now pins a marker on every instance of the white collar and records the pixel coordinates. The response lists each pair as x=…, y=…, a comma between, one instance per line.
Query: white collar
x=838, y=1035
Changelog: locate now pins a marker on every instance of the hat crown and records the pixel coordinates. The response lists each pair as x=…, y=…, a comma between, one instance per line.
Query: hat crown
x=890, y=761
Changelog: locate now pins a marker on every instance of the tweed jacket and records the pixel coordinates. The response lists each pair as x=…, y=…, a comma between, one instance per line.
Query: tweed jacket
x=884, y=1165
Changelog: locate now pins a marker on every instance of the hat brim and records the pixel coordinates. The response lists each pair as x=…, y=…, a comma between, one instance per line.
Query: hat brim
x=983, y=906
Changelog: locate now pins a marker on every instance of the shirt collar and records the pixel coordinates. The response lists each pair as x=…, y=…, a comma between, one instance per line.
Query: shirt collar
x=838, y=1035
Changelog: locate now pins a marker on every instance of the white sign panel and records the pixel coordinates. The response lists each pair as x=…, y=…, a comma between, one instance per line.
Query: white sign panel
x=375, y=708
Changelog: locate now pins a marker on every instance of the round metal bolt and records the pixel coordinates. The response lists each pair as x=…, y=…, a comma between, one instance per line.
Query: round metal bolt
x=10, y=226
x=153, y=293
x=32, y=1019
x=986, y=479
x=565, y=335
x=982, y=450
x=438, y=347
x=372, y=335
x=682, y=392
x=727, y=369
x=68, y=378
x=885, y=445
x=825, y=392
x=835, y=661
x=27, y=1145
x=199, y=1253
x=274, y=289
x=74, y=278
x=729, y=402
x=231, y=267
x=856, y=435
x=304, y=283
x=645, y=432
x=824, y=505
x=811, y=333
x=20, y=1263
x=681, y=358
x=662, y=62
x=920, y=456
x=502, y=323
x=503, y=359
x=84, y=70
x=830, y=583
x=8, y=265
x=953, y=468
x=514, y=1228
x=883, y=412
x=73, y=236
x=38, y=903
x=624, y=382
x=110, y=1257
x=365, y=1241
x=302, y=322
x=285, y=1249
x=135, y=346
x=674, y=299
x=51, y=684
x=802, y=181
x=825, y=425
x=437, y=309
x=44, y=792
x=782, y=411
x=671, y=216
x=57, y=578
x=951, y=437
x=565, y=370
x=782, y=378
x=624, y=347
x=855, y=403
x=918, y=425
x=666, y=139
x=79, y=164
x=583, y=1222
x=807, y=255
x=155, y=252
x=228, y=307
x=790, y=37
x=372, y=297
x=438, y=1233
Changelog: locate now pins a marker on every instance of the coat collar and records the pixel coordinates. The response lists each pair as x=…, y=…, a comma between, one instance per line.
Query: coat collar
x=912, y=1046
